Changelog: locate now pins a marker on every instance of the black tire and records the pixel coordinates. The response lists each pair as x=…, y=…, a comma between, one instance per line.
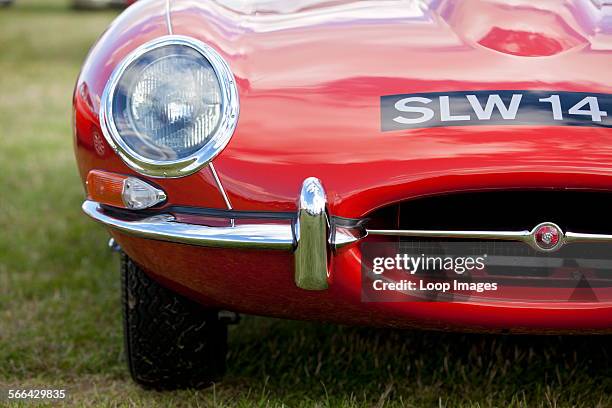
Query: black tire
x=171, y=342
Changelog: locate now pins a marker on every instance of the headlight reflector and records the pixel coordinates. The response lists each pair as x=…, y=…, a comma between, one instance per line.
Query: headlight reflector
x=170, y=107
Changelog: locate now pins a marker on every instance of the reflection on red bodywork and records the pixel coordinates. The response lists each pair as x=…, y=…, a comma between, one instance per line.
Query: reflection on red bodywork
x=523, y=43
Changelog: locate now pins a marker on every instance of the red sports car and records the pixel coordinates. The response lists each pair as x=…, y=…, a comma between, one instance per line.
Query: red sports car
x=438, y=164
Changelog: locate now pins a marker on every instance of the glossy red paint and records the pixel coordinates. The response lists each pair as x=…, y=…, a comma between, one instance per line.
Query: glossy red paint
x=309, y=99
x=310, y=75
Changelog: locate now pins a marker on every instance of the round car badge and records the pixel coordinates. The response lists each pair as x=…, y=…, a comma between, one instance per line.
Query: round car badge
x=547, y=236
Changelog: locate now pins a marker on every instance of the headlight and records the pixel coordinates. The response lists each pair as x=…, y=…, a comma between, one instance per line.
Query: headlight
x=170, y=107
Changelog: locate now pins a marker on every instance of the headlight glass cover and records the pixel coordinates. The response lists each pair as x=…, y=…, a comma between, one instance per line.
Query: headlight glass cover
x=170, y=107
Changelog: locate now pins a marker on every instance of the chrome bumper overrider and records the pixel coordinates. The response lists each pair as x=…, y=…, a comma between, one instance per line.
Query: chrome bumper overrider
x=311, y=234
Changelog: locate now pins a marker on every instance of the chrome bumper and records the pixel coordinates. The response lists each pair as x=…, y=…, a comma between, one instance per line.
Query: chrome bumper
x=311, y=234
x=166, y=228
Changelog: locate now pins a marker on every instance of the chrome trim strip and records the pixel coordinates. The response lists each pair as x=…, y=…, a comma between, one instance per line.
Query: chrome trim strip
x=528, y=237
x=168, y=18
x=193, y=163
x=165, y=228
x=312, y=234
x=519, y=236
x=220, y=186
x=523, y=236
x=580, y=237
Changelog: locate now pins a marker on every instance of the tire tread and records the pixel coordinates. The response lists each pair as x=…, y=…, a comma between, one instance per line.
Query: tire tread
x=171, y=342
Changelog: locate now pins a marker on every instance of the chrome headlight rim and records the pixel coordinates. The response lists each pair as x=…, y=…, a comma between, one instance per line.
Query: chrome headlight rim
x=230, y=110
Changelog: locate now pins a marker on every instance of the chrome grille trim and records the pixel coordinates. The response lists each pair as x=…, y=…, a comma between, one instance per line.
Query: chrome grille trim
x=527, y=237
x=495, y=235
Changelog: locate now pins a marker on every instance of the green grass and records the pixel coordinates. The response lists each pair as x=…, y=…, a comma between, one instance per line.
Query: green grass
x=59, y=287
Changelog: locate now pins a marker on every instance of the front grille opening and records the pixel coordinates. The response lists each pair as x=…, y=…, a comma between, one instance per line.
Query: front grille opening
x=514, y=210
x=576, y=272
